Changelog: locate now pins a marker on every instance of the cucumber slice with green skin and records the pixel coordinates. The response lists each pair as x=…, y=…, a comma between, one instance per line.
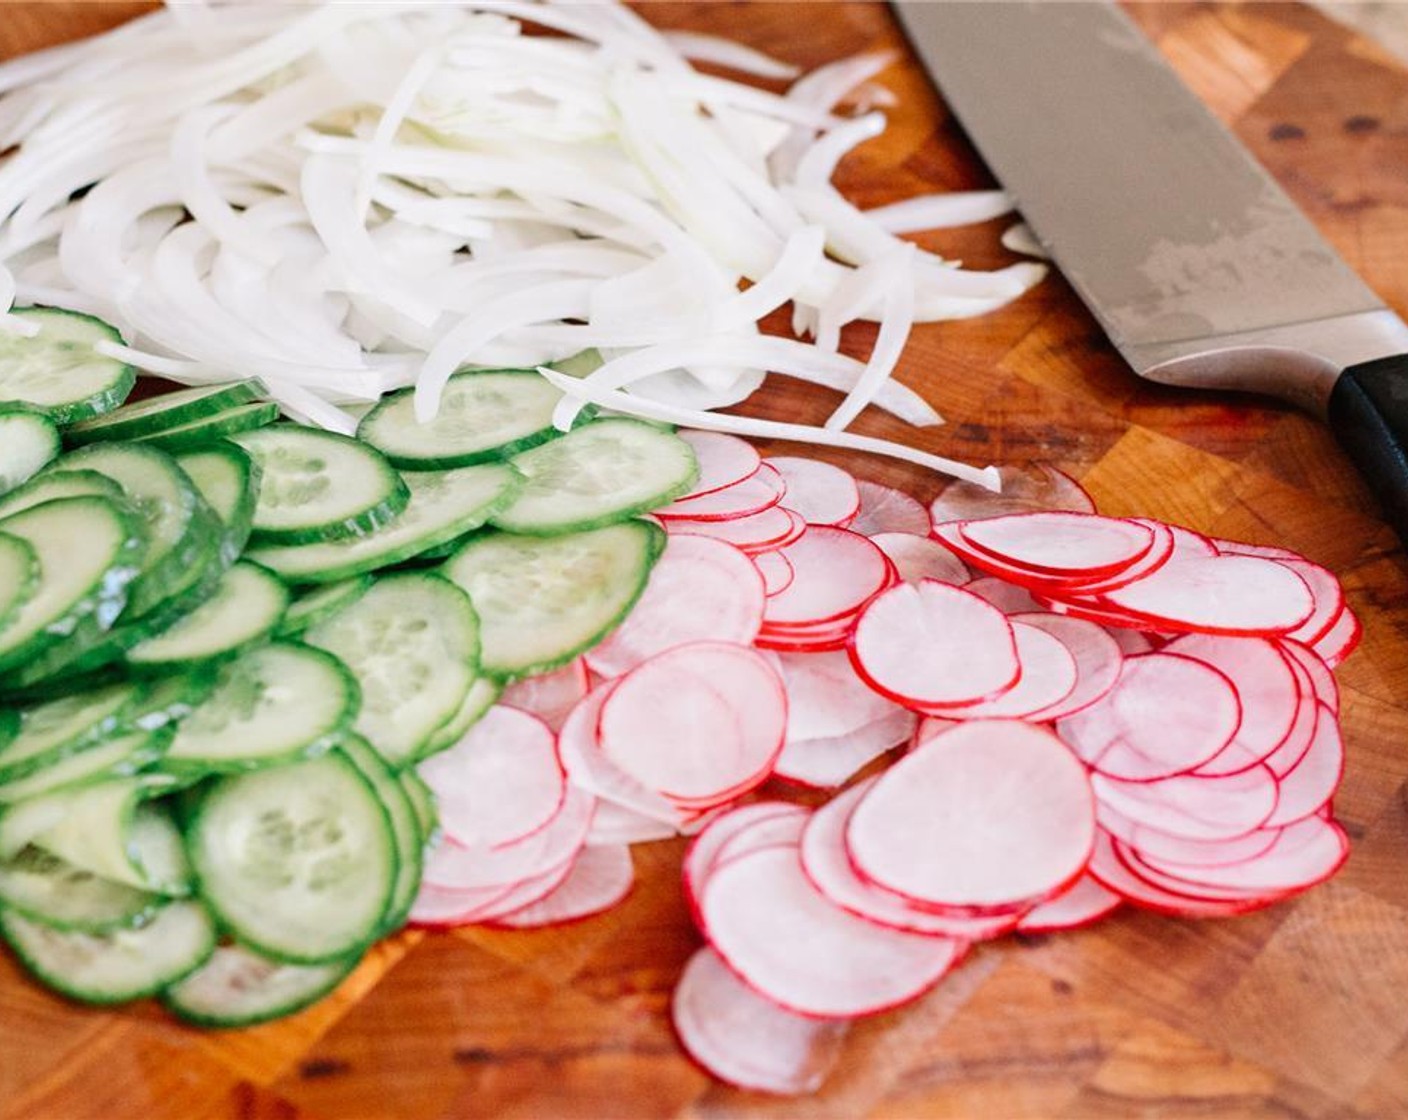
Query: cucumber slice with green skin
x=26, y=822
x=228, y=479
x=297, y=861
x=410, y=849
x=422, y=804
x=542, y=601
x=318, y=603
x=484, y=415
x=80, y=590
x=599, y=474
x=9, y=726
x=19, y=575
x=444, y=505
x=482, y=695
x=107, y=758
x=412, y=643
x=119, y=965
x=50, y=731
x=51, y=486
x=163, y=412
x=238, y=987
x=168, y=700
x=158, y=851
x=29, y=440
x=177, y=520
x=244, y=418
x=319, y=486
x=245, y=608
x=273, y=704
x=43, y=888
x=58, y=370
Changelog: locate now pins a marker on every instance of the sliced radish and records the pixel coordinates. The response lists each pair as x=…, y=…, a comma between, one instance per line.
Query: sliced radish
x=550, y=696
x=761, y=490
x=821, y=493
x=1193, y=807
x=784, y=939
x=917, y=558
x=704, y=850
x=600, y=878
x=526, y=892
x=1086, y=900
x=1322, y=678
x=1221, y=595
x=1109, y=867
x=992, y=815
x=1131, y=642
x=745, y=1039
x=1313, y=780
x=930, y=644
x=615, y=824
x=776, y=570
x=1048, y=677
x=825, y=697
x=1175, y=849
x=1023, y=491
x=1162, y=549
x=1097, y=656
x=1166, y=715
x=836, y=572
x=1329, y=600
x=699, y=590
x=442, y=906
x=826, y=863
x=724, y=460
x=758, y=532
x=769, y=832
x=886, y=510
x=1061, y=543
x=698, y=722
x=1243, y=548
x=1009, y=598
x=830, y=762
x=589, y=769
x=502, y=782
x=1340, y=640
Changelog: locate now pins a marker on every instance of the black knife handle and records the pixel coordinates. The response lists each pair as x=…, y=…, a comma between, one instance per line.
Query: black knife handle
x=1369, y=415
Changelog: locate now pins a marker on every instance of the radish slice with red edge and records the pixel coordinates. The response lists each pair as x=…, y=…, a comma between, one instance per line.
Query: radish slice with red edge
x=884, y=509
x=1245, y=548
x=826, y=863
x=1040, y=488
x=704, y=850
x=761, y=490
x=615, y=824
x=1061, y=543
x=1329, y=600
x=776, y=570
x=724, y=460
x=500, y=783
x=930, y=644
x=770, y=832
x=785, y=940
x=1193, y=807
x=989, y=816
x=1009, y=598
x=1340, y=640
x=1313, y=780
x=600, y=878
x=549, y=696
x=1048, y=676
x=1097, y=656
x=746, y=1040
x=1174, y=849
x=525, y=892
x=443, y=906
x=828, y=763
x=1166, y=715
x=1322, y=678
x=823, y=494
x=758, y=532
x=836, y=572
x=699, y=721
x=1085, y=901
x=1109, y=867
x=1163, y=548
x=1237, y=595
x=699, y=590
x=825, y=697
x=917, y=558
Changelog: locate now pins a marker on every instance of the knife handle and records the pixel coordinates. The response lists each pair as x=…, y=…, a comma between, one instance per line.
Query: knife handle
x=1369, y=415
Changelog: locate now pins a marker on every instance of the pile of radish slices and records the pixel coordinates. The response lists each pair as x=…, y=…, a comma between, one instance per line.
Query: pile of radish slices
x=1093, y=710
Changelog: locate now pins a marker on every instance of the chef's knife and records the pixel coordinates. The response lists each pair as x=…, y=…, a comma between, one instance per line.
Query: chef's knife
x=1198, y=266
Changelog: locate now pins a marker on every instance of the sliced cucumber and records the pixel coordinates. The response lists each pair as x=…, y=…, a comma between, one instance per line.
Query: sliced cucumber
x=238, y=987
x=412, y=642
x=242, y=418
x=50, y=731
x=481, y=697
x=80, y=590
x=542, y=601
x=9, y=725
x=116, y=757
x=118, y=965
x=272, y=704
x=170, y=699
x=50, y=486
x=422, y=804
x=88, y=807
x=45, y=889
x=484, y=415
x=177, y=520
x=158, y=851
x=59, y=370
x=161, y=413
x=319, y=603
x=245, y=608
x=405, y=827
x=29, y=440
x=19, y=575
x=319, y=486
x=298, y=861
x=604, y=472
x=228, y=479
x=444, y=505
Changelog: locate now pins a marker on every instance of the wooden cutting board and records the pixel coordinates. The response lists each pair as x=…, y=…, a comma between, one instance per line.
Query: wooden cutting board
x=1299, y=1011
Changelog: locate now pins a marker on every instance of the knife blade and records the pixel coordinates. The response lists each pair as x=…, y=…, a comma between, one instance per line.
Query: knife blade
x=1200, y=269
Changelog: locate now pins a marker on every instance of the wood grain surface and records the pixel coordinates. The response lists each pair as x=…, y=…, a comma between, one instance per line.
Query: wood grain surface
x=1298, y=1011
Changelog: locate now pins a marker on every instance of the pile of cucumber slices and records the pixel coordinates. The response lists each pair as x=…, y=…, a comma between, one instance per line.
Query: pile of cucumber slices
x=225, y=641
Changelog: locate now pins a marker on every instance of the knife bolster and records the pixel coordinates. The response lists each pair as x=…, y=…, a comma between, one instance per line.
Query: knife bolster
x=1369, y=415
